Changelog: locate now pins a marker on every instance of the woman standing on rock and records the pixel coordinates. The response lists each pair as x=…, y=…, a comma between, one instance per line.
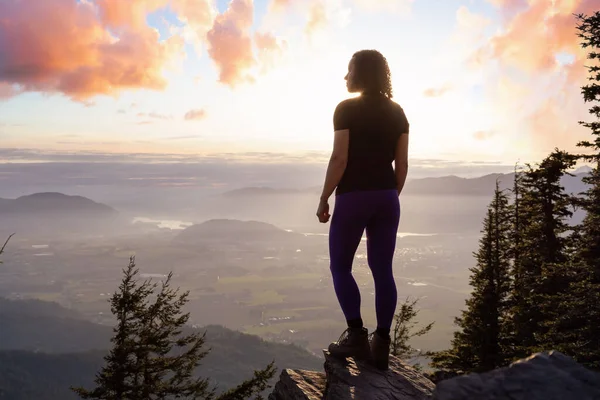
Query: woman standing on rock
x=370, y=133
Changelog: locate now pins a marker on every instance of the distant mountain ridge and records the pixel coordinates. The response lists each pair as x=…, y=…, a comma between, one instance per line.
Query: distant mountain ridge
x=233, y=230
x=261, y=190
x=41, y=355
x=52, y=214
x=434, y=186
x=54, y=202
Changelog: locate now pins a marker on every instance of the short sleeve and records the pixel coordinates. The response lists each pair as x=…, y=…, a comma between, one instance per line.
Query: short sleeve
x=341, y=117
x=404, y=126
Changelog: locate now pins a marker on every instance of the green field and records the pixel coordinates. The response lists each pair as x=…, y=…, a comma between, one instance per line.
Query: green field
x=297, y=325
x=261, y=298
x=260, y=283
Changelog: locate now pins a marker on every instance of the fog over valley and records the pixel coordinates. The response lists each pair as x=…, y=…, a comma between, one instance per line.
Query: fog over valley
x=243, y=238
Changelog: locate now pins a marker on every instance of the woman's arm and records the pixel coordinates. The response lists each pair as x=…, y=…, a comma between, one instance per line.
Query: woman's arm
x=337, y=163
x=401, y=161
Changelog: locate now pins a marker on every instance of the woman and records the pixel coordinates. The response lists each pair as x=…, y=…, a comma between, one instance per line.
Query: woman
x=370, y=132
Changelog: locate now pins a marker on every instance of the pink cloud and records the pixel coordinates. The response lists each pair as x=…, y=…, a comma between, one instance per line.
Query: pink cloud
x=483, y=135
x=230, y=44
x=270, y=50
x=195, y=115
x=155, y=115
x=280, y=5
x=533, y=37
x=317, y=18
x=524, y=52
x=63, y=46
x=129, y=13
x=7, y=91
x=437, y=92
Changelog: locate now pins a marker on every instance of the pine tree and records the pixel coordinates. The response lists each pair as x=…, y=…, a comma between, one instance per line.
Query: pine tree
x=251, y=387
x=477, y=346
x=541, y=252
x=516, y=278
x=587, y=289
x=119, y=378
x=167, y=358
x=404, y=331
x=589, y=248
x=576, y=327
x=154, y=353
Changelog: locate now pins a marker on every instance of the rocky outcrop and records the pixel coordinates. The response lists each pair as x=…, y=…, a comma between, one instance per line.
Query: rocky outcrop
x=547, y=376
x=348, y=379
x=299, y=385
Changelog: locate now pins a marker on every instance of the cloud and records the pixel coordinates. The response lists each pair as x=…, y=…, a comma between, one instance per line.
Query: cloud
x=483, y=135
x=230, y=44
x=7, y=91
x=532, y=39
x=534, y=70
x=319, y=14
x=438, y=91
x=127, y=13
x=270, y=49
x=83, y=49
x=198, y=13
x=184, y=137
x=317, y=18
x=197, y=16
x=394, y=6
x=67, y=47
x=155, y=115
x=195, y=115
x=280, y=5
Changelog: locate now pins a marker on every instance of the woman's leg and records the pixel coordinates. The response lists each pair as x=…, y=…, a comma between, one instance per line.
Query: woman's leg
x=382, y=230
x=347, y=226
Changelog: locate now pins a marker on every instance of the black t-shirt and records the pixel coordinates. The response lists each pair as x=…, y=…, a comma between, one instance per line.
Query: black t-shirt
x=375, y=124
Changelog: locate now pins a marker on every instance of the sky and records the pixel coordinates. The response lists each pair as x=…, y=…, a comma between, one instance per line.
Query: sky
x=479, y=80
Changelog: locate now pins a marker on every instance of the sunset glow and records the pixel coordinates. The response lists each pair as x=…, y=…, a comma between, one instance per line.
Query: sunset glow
x=479, y=79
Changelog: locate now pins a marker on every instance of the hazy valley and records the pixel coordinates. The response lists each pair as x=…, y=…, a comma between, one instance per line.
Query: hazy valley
x=254, y=259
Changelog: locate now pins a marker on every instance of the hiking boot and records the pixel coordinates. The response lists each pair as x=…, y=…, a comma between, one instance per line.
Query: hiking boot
x=380, y=352
x=354, y=342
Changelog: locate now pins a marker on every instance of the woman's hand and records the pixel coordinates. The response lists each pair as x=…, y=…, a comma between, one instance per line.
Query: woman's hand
x=323, y=211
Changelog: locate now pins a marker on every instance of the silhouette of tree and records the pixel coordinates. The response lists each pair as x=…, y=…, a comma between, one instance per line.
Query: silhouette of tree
x=589, y=231
x=476, y=347
x=575, y=329
x=404, y=331
x=541, y=253
x=4, y=246
x=151, y=358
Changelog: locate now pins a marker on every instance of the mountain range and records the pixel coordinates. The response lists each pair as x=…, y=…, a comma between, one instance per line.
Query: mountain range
x=446, y=185
x=45, y=348
x=52, y=202
x=232, y=230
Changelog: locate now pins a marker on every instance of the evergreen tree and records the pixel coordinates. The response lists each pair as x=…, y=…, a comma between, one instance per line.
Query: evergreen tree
x=576, y=326
x=516, y=291
x=404, y=331
x=588, y=255
x=118, y=379
x=154, y=356
x=543, y=248
x=589, y=248
x=251, y=387
x=477, y=346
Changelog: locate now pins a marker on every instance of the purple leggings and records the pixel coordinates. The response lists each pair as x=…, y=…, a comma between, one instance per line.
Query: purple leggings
x=377, y=212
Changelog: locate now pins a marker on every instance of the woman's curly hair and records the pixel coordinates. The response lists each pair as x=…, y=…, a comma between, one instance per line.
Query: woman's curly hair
x=372, y=72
